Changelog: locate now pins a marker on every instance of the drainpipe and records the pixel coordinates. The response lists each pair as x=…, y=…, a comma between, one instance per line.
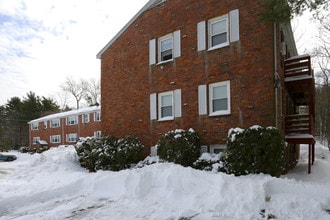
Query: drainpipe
x=275, y=78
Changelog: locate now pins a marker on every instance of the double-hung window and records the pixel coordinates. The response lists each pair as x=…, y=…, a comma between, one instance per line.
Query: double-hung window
x=71, y=137
x=35, y=126
x=218, y=32
x=85, y=118
x=218, y=96
x=35, y=140
x=97, y=116
x=72, y=120
x=55, y=123
x=55, y=139
x=165, y=46
x=165, y=104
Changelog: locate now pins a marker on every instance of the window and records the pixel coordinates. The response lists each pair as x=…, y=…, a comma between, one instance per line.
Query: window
x=219, y=98
x=97, y=116
x=72, y=120
x=55, y=139
x=165, y=46
x=97, y=134
x=35, y=140
x=220, y=31
x=35, y=126
x=45, y=124
x=168, y=47
x=55, y=123
x=85, y=118
x=166, y=105
x=71, y=137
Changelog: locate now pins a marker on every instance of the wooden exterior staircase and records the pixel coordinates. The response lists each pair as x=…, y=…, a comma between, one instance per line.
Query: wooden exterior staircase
x=299, y=82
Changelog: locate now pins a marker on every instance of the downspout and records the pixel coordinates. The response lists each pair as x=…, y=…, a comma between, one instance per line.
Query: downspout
x=275, y=77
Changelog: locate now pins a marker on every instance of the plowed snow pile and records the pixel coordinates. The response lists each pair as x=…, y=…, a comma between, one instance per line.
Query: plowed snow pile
x=52, y=185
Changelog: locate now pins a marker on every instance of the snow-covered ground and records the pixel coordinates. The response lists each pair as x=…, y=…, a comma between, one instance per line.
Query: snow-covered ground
x=52, y=185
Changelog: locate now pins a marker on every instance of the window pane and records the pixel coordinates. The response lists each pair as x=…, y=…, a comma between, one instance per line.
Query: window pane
x=219, y=27
x=219, y=39
x=167, y=100
x=166, y=55
x=220, y=92
x=166, y=111
x=220, y=104
x=166, y=44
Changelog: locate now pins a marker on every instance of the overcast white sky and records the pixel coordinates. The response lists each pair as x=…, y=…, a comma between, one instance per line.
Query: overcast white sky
x=42, y=42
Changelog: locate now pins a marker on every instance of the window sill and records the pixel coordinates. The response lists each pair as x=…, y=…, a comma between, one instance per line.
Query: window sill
x=218, y=46
x=163, y=62
x=222, y=113
x=166, y=119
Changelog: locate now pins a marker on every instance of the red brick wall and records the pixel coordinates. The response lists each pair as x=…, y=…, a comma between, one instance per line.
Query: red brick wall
x=81, y=129
x=127, y=79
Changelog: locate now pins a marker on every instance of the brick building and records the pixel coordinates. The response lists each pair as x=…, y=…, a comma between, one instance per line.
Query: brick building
x=207, y=65
x=66, y=127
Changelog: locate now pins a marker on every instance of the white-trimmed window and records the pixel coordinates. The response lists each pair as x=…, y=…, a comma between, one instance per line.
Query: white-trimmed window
x=218, y=32
x=166, y=105
x=55, y=123
x=165, y=45
x=71, y=137
x=72, y=120
x=218, y=99
x=97, y=116
x=55, y=139
x=85, y=118
x=35, y=140
x=97, y=134
x=45, y=124
x=35, y=126
x=165, y=48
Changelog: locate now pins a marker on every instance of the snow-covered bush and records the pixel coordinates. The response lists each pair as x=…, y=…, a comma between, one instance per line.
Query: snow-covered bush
x=108, y=152
x=208, y=162
x=179, y=146
x=254, y=150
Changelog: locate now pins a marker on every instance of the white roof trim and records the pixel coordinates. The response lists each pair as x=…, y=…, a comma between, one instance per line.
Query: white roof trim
x=148, y=5
x=66, y=114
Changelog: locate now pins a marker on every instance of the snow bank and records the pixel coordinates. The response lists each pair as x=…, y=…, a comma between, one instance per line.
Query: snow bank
x=53, y=186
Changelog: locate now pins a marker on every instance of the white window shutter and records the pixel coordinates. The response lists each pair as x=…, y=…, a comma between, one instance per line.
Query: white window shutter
x=153, y=106
x=202, y=100
x=234, y=25
x=177, y=103
x=152, y=51
x=177, y=44
x=201, y=36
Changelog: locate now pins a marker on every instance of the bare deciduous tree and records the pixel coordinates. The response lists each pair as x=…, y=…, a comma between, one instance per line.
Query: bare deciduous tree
x=76, y=87
x=93, y=92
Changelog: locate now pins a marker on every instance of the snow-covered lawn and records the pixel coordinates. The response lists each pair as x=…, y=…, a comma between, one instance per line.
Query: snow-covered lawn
x=52, y=185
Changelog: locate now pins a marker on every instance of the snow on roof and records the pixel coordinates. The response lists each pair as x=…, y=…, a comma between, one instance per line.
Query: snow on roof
x=67, y=113
x=148, y=5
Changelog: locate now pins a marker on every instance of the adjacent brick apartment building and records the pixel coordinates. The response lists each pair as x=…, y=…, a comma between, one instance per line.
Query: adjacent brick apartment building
x=66, y=127
x=207, y=65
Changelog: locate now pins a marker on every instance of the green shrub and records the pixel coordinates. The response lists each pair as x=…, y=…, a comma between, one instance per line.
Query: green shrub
x=179, y=146
x=108, y=153
x=208, y=162
x=254, y=150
